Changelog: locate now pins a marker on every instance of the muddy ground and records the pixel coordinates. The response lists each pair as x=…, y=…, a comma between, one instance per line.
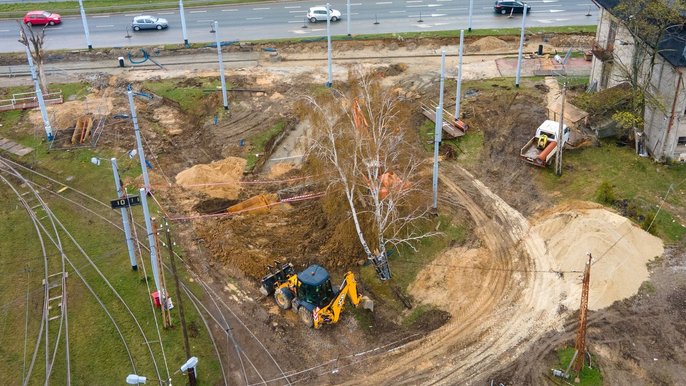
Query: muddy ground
x=639, y=340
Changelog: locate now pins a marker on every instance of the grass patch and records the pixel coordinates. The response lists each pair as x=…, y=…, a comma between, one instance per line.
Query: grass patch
x=588, y=376
x=188, y=96
x=416, y=314
x=72, y=91
x=647, y=288
x=259, y=143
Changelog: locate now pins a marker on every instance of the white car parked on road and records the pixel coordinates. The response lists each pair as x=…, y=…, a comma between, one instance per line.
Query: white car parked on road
x=316, y=14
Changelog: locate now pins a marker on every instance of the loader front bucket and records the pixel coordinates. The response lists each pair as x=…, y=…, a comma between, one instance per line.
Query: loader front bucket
x=367, y=303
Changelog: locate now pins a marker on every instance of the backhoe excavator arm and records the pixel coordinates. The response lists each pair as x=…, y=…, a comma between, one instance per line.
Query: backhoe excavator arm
x=332, y=312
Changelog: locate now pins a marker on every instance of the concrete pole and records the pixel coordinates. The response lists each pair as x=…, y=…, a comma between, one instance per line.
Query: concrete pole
x=221, y=65
x=85, y=25
x=521, y=47
x=329, y=82
x=39, y=96
x=471, y=6
x=124, y=215
x=151, y=243
x=560, y=134
x=183, y=24
x=438, y=133
x=458, y=94
x=136, y=130
x=347, y=16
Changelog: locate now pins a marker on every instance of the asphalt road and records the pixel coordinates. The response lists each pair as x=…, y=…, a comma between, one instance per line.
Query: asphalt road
x=287, y=20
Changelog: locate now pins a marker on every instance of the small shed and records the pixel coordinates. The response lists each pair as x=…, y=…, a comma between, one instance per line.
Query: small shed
x=574, y=116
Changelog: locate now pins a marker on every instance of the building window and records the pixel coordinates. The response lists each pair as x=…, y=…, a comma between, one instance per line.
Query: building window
x=681, y=141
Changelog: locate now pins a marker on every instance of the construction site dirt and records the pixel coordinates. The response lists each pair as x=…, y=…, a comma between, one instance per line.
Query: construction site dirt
x=500, y=320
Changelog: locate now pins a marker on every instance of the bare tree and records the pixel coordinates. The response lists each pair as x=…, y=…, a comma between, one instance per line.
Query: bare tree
x=35, y=41
x=362, y=134
x=647, y=21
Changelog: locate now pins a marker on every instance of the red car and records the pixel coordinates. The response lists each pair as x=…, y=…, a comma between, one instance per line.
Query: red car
x=42, y=18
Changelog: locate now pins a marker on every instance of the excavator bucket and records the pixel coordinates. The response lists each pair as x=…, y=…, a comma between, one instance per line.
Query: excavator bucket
x=367, y=303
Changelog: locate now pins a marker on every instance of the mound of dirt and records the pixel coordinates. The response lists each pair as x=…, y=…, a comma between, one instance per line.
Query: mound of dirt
x=619, y=248
x=218, y=179
x=488, y=43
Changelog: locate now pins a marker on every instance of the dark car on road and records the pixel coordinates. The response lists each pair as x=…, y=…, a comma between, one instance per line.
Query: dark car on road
x=42, y=18
x=148, y=22
x=507, y=7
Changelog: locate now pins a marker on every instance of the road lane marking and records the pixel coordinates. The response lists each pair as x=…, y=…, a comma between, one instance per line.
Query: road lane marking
x=4, y=30
x=254, y=18
x=454, y=9
x=301, y=11
x=292, y=7
x=131, y=15
x=355, y=4
x=403, y=11
x=166, y=13
x=104, y=26
x=230, y=10
x=444, y=1
x=295, y=21
x=205, y=21
x=100, y=16
x=414, y=1
x=260, y=9
x=198, y=11
x=384, y=2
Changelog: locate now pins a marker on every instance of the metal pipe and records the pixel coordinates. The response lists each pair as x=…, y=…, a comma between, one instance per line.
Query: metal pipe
x=440, y=97
x=139, y=144
x=85, y=25
x=121, y=193
x=521, y=46
x=437, y=143
x=221, y=65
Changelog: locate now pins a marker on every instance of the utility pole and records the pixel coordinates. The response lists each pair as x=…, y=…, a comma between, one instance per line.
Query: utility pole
x=136, y=130
x=329, y=82
x=182, y=316
x=521, y=47
x=163, y=294
x=580, y=343
x=458, y=96
x=560, y=134
x=151, y=241
x=221, y=65
x=85, y=25
x=121, y=193
x=347, y=16
x=183, y=24
x=438, y=133
x=471, y=6
x=39, y=96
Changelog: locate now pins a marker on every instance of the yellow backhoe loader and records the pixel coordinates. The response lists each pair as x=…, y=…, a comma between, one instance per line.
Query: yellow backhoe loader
x=309, y=293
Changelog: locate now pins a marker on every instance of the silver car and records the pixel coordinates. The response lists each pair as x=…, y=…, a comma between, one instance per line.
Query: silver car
x=148, y=22
x=316, y=14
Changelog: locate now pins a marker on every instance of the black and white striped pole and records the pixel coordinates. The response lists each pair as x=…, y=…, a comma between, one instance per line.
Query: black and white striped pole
x=121, y=193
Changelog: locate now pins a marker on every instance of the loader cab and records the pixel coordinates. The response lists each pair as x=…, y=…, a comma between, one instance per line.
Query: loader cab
x=315, y=287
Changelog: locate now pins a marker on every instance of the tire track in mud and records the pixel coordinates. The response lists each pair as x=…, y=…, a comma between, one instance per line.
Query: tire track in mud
x=504, y=317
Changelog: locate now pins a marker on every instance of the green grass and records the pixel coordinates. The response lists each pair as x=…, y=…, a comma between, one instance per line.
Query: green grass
x=416, y=314
x=188, y=97
x=96, y=350
x=259, y=142
x=641, y=181
x=588, y=376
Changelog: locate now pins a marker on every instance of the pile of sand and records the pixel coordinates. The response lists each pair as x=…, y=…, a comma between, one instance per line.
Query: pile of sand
x=489, y=44
x=219, y=179
x=620, y=251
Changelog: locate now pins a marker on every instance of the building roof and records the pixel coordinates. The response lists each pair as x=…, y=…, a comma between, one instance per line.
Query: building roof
x=672, y=47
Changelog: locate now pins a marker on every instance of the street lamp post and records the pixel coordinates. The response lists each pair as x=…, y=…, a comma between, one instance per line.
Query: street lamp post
x=221, y=65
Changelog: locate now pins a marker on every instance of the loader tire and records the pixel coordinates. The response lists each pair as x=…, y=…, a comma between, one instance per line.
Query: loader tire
x=283, y=298
x=306, y=317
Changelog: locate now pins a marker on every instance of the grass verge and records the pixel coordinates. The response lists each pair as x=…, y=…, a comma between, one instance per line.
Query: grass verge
x=589, y=376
